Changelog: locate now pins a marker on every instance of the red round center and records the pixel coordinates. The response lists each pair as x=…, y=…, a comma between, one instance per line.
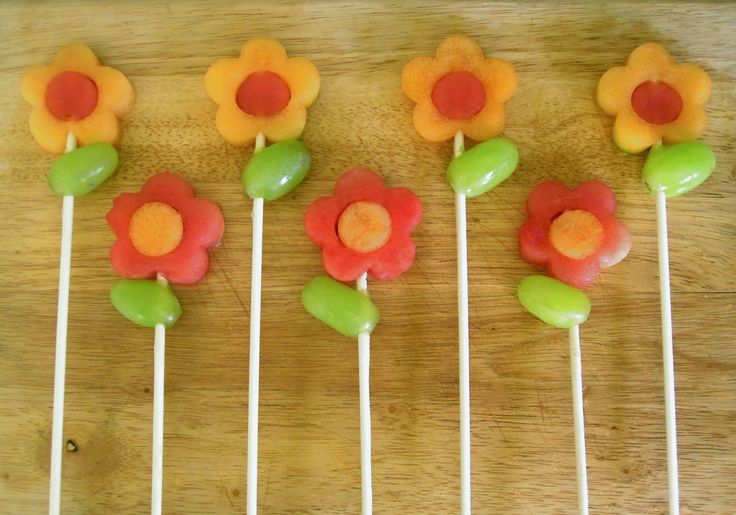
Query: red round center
x=263, y=94
x=71, y=96
x=656, y=102
x=459, y=95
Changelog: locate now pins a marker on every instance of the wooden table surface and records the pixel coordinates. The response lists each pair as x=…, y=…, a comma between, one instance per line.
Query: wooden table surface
x=522, y=439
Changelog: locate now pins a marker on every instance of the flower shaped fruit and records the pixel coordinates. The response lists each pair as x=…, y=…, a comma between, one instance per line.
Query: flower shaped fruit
x=76, y=94
x=263, y=90
x=164, y=230
x=653, y=98
x=573, y=231
x=364, y=226
x=458, y=90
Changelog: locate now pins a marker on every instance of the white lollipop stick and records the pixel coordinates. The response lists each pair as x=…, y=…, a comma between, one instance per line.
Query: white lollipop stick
x=255, y=346
x=464, y=338
x=576, y=373
x=364, y=356
x=667, y=354
x=157, y=461
x=62, y=316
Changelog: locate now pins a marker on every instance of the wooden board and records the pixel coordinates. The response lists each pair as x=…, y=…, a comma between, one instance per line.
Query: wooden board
x=522, y=440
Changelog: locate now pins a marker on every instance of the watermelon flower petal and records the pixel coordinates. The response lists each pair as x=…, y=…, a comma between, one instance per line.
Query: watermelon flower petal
x=201, y=222
x=390, y=259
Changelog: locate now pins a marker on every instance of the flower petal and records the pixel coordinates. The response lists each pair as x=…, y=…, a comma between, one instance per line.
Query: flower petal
x=123, y=208
x=486, y=124
x=288, y=124
x=261, y=53
x=166, y=187
x=222, y=80
x=49, y=132
x=633, y=135
x=115, y=90
x=551, y=198
x=615, y=89
x=358, y=184
x=202, y=220
x=432, y=126
x=547, y=199
x=102, y=126
x=575, y=272
x=404, y=207
x=320, y=221
x=418, y=78
x=394, y=258
x=344, y=264
x=616, y=243
x=128, y=262
x=500, y=79
x=460, y=49
x=594, y=196
x=302, y=77
x=187, y=264
x=534, y=244
x=34, y=82
x=237, y=127
x=75, y=56
x=689, y=125
x=691, y=82
x=650, y=56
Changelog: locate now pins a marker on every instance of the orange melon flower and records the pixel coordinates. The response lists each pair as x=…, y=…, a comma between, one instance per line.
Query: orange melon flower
x=76, y=94
x=654, y=99
x=459, y=90
x=263, y=90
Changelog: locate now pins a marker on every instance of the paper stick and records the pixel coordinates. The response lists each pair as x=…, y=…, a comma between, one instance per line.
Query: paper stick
x=576, y=373
x=62, y=317
x=364, y=350
x=255, y=346
x=157, y=461
x=667, y=354
x=463, y=336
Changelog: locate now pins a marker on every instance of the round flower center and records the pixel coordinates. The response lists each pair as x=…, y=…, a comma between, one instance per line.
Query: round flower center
x=459, y=95
x=364, y=226
x=156, y=229
x=263, y=94
x=656, y=102
x=71, y=96
x=576, y=234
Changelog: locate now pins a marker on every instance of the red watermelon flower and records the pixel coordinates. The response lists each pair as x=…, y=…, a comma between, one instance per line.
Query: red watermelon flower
x=164, y=229
x=573, y=231
x=364, y=226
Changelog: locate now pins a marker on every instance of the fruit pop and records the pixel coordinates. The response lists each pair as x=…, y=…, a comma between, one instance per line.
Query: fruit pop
x=461, y=93
x=163, y=235
x=75, y=104
x=573, y=233
x=263, y=94
x=658, y=106
x=363, y=229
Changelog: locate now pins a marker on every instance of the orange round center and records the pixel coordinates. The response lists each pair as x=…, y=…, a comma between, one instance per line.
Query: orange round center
x=156, y=229
x=364, y=226
x=71, y=96
x=459, y=95
x=656, y=102
x=576, y=234
x=263, y=94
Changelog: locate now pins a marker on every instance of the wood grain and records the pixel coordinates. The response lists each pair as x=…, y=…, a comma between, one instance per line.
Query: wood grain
x=523, y=454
